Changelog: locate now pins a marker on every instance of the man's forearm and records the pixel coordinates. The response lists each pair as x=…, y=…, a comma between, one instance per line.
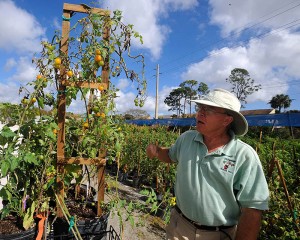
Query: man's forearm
x=249, y=224
x=154, y=151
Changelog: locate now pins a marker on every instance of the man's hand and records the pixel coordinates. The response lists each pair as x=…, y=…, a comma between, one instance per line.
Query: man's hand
x=151, y=151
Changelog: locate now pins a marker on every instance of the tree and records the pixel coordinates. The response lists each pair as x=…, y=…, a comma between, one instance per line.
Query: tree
x=136, y=114
x=242, y=84
x=202, y=89
x=280, y=101
x=174, y=100
x=189, y=91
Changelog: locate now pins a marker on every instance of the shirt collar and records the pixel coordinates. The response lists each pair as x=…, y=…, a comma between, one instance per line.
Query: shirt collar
x=228, y=149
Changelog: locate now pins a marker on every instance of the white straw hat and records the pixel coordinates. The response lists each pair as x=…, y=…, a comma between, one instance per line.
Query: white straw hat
x=228, y=101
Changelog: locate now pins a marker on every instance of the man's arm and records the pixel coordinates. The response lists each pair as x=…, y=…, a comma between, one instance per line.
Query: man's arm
x=249, y=224
x=162, y=154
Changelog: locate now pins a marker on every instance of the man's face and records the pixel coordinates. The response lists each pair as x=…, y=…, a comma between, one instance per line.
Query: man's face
x=212, y=119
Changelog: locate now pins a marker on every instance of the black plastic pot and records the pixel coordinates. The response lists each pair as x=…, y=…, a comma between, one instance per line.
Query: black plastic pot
x=29, y=234
x=89, y=229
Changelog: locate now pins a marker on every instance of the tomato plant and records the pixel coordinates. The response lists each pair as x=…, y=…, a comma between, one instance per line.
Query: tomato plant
x=29, y=154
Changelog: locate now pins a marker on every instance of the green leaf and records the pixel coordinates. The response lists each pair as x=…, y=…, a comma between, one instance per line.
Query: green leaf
x=14, y=163
x=5, y=166
x=40, y=102
x=131, y=220
x=49, y=184
x=7, y=132
x=42, y=143
x=130, y=206
x=5, y=212
x=5, y=195
x=30, y=158
x=28, y=218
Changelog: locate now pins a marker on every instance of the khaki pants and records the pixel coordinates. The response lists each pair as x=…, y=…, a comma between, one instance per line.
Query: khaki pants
x=181, y=229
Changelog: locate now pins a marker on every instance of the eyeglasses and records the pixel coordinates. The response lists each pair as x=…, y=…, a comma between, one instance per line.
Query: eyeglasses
x=209, y=110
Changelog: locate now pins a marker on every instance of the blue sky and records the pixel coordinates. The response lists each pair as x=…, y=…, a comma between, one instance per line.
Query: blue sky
x=189, y=39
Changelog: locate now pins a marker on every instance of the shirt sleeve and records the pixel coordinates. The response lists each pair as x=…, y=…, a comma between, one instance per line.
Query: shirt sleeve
x=250, y=184
x=174, y=150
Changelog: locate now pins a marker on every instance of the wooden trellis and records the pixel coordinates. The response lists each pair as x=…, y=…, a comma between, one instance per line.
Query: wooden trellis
x=68, y=10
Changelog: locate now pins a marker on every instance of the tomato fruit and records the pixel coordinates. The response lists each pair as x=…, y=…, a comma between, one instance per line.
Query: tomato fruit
x=98, y=52
x=98, y=58
x=100, y=88
x=57, y=61
x=70, y=73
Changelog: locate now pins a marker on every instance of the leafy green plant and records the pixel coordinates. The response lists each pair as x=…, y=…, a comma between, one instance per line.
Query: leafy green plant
x=29, y=157
x=27, y=160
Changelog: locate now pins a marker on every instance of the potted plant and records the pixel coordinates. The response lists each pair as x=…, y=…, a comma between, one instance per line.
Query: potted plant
x=27, y=162
x=29, y=154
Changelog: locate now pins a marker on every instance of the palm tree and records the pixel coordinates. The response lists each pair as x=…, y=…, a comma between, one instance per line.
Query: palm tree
x=280, y=101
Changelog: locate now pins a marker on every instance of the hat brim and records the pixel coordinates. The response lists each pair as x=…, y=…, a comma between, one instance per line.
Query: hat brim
x=239, y=125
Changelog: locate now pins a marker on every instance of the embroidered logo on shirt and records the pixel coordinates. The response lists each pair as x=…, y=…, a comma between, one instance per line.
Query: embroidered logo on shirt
x=228, y=165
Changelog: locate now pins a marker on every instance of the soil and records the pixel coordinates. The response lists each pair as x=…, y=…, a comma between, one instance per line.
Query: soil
x=84, y=208
x=10, y=225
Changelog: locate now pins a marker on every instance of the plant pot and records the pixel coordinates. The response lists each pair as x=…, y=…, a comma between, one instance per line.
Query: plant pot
x=89, y=229
x=11, y=228
x=25, y=235
x=136, y=182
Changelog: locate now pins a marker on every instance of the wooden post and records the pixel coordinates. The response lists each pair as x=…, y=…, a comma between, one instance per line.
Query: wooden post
x=62, y=110
x=101, y=189
x=284, y=186
x=105, y=68
x=272, y=163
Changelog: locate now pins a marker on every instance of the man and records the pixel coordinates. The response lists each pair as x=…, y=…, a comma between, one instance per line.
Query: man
x=220, y=186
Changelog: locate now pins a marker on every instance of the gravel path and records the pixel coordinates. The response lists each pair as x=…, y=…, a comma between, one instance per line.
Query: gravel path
x=149, y=228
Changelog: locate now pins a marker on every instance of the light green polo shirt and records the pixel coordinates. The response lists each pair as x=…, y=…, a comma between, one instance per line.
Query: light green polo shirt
x=210, y=188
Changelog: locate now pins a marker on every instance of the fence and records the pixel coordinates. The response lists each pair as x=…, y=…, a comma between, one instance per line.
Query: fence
x=270, y=120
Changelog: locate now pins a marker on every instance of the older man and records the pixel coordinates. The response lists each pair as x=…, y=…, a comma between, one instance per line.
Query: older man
x=220, y=186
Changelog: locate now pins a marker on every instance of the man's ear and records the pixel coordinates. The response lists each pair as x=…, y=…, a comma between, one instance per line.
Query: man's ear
x=228, y=120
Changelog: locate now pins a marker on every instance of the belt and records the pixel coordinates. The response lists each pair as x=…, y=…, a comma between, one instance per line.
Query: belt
x=203, y=227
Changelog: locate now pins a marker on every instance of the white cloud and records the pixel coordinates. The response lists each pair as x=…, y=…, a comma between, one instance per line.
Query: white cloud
x=20, y=30
x=124, y=101
x=270, y=61
x=10, y=63
x=162, y=107
x=25, y=72
x=9, y=92
x=123, y=84
x=234, y=16
x=145, y=16
x=56, y=23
